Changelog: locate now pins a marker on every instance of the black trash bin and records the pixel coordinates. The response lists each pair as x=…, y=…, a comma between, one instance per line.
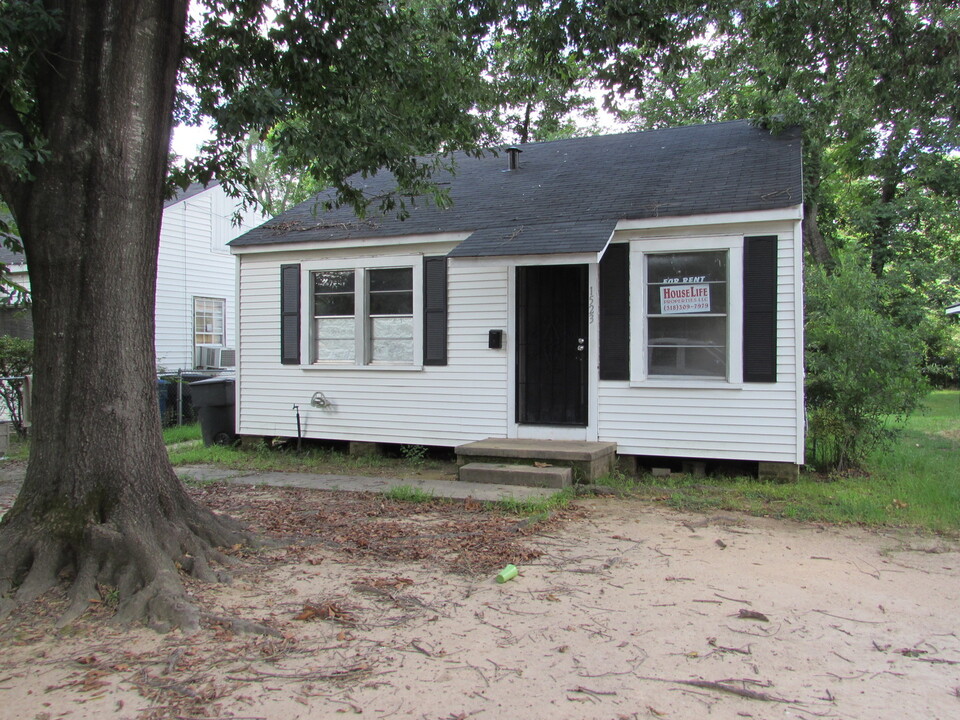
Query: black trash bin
x=215, y=401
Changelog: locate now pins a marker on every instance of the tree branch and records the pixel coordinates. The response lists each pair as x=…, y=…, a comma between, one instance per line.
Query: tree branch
x=13, y=188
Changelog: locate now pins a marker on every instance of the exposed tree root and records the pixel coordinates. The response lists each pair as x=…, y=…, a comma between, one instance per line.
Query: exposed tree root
x=143, y=558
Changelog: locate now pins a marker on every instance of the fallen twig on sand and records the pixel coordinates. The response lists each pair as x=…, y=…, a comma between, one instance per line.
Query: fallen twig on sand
x=841, y=617
x=721, y=687
x=259, y=675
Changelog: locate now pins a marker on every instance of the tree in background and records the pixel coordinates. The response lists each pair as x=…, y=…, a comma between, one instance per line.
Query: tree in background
x=875, y=87
x=275, y=186
x=863, y=372
x=530, y=100
x=16, y=361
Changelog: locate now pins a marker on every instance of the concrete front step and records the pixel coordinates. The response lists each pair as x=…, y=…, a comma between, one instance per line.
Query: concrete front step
x=589, y=460
x=508, y=474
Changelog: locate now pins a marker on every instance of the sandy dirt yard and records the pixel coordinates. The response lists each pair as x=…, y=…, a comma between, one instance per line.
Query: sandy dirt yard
x=620, y=610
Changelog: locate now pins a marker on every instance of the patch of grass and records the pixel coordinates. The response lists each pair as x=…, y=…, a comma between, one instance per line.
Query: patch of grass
x=199, y=454
x=313, y=458
x=408, y=493
x=913, y=482
x=181, y=433
x=196, y=482
x=535, y=506
x=19, y=447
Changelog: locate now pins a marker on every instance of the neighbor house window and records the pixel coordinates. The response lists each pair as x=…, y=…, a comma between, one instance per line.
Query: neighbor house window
x=686, y=313
x=208, y=321
x=363, y=316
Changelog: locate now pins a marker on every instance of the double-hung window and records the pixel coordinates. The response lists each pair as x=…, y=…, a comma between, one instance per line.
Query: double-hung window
x=364, y=316
x=687, y=313
x=334, y=311
x=208, y=321
x=390, y=315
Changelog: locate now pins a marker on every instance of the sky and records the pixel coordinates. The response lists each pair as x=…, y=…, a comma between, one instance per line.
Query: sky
x=186, y=140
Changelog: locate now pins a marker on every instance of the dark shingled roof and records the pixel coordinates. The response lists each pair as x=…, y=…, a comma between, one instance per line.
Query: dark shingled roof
x=568, y=195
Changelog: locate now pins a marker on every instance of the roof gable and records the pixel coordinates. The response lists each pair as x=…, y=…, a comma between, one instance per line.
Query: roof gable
x=191, y=190
x=692, y=170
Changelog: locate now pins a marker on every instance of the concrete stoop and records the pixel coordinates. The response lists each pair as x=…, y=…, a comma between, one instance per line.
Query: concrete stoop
x=508, y=474
x=539, y=463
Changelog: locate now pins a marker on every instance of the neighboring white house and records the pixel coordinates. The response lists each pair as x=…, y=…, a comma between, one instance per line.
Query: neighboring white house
x=954, y=309
x=196, y=278
x=643, y=289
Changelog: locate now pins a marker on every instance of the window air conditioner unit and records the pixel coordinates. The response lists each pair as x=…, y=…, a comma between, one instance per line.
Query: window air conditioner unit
x=212, y=357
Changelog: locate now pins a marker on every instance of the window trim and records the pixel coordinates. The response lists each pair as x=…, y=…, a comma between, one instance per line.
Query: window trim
x=639, y=249
x=361, y=305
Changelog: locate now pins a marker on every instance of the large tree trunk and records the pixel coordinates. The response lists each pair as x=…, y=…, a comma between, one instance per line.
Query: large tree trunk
x=100, y=498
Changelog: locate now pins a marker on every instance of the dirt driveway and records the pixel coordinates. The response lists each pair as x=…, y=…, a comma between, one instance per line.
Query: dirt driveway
x=626, y=611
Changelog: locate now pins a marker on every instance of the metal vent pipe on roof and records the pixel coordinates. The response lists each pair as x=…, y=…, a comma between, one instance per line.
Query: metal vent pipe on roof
x=513, y=158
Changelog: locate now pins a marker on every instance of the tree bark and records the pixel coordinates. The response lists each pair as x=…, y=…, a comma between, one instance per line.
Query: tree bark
x=813, y=239
x=100, y=498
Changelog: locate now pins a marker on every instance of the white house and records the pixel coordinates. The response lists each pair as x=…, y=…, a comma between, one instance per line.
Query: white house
x=641, y=289
x=196, y=280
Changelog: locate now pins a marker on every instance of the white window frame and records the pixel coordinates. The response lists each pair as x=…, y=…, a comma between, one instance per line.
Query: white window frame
x=361, y=318
x=639, y=249
x=223, y=319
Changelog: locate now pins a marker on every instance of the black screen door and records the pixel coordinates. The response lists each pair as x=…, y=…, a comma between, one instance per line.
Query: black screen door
x=552, y=345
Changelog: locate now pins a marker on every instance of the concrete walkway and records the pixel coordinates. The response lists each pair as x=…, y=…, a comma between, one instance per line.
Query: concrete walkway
x=11, y=477
x=355, y=483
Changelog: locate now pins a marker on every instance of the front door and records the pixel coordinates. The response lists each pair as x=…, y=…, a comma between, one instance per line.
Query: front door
x=552, y=345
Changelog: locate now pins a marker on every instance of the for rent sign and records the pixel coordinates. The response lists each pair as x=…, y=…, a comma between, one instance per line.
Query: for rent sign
x=684, y=299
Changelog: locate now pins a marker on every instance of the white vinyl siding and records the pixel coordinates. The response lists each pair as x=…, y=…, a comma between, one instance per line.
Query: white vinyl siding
x=431, y=405
x=193, y=261
x=722, y=420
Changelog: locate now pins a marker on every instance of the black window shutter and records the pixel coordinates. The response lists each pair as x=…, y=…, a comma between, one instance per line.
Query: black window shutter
x=760, y=309
x=615, y=313
x=435, y=310
x=290, y=314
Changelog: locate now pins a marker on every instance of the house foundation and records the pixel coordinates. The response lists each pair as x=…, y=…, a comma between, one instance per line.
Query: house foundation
x=778, y=472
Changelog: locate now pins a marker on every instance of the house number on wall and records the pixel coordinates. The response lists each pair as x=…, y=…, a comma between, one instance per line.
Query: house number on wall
x=590, y=307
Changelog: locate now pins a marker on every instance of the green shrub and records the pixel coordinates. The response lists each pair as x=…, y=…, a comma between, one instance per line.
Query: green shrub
x=864, y=370
x=415, y=454
x=16, y=360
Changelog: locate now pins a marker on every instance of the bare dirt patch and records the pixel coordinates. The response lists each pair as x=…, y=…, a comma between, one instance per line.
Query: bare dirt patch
x=950, y=434
x=387, y=610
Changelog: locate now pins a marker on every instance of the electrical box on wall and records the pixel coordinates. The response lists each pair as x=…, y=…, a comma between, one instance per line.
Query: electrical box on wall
x=495, y=341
